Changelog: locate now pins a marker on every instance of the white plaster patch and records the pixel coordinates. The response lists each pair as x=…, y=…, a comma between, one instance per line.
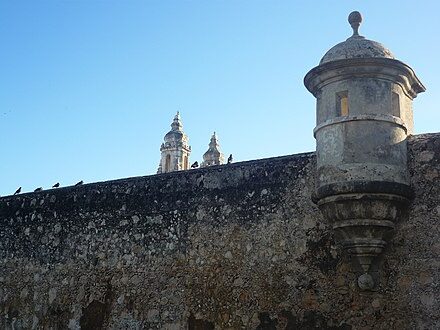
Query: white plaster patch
x=52, y=295
x=425, y=156
x=427, y=299
x=24, y=293
x=172, y=326
x=35, y=322
x=135, y=219
x=228, y=255
x=74, y=324
x=308, y=222
x=57, y=228
x=200, y=214
x=152, y=314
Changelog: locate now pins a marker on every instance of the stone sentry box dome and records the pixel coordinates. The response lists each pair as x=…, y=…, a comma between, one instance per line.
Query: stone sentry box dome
x=364, y=115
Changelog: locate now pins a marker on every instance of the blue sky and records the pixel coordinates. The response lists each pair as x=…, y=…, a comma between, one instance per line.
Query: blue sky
x=89, y=88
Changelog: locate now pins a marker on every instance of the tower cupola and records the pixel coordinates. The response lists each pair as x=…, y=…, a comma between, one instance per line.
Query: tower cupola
x=356, y=46
x=364, y=115
x=213, y=156
x=175, y=149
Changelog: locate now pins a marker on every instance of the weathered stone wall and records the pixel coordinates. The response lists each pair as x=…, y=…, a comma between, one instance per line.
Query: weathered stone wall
x=237, y=246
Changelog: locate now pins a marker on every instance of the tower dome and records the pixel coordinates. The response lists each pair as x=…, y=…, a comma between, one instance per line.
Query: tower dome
x=213, y=156
x=175, y=149
x=356, y=46
x=176, y=134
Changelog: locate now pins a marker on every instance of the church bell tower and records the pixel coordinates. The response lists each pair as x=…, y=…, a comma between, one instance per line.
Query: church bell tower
x=213, y=156
x=175, y=149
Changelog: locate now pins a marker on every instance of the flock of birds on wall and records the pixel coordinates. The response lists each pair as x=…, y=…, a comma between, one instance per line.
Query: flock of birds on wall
x=57, y=185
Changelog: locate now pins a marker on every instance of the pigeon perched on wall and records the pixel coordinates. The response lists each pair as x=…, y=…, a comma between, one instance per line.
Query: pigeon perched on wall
x=79, y=183
x=56, y=185
x=230, y=159
x=38, y=189
x=195, y=165
x=17, y=191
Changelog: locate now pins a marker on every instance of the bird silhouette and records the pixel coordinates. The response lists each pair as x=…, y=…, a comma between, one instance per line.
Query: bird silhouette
x=79, y=183
x=195, y=165
x=17, y=191
x=56, y=185
x=230, y=159
x=38, y=189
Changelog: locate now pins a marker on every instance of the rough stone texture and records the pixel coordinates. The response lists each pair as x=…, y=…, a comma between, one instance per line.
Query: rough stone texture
x=237, y=246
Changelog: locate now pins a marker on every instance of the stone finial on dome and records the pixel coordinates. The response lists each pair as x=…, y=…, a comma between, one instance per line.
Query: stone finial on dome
x=213, y=143
x=176, y=125
x=355, y=20
x=356, y=46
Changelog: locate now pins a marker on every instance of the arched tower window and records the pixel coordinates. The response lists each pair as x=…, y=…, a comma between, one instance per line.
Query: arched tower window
x=395, y=104
x=342, y=103
x=185, y=162
x=167, y=163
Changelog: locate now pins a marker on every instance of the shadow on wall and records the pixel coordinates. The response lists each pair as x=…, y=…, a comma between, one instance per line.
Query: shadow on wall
x=96, y=313
x=195, y=324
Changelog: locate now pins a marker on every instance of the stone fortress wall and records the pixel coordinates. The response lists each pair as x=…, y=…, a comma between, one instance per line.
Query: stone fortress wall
x=237, y=246
x=243, y=246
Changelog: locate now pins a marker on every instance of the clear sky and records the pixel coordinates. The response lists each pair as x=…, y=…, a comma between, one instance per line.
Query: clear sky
x=89, y=88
